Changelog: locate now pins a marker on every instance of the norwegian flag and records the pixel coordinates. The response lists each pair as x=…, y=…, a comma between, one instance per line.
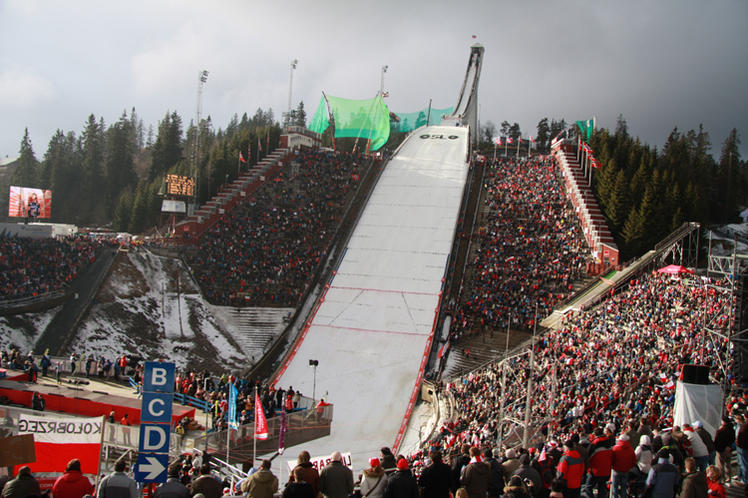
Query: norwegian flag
x=509, y=140
x=497, y=140
x=241, y=158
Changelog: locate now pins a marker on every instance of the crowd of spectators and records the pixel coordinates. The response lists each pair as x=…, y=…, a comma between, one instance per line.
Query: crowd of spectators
x=529, y=248
x=33, y=267
x=265, y=251
x=612, y=363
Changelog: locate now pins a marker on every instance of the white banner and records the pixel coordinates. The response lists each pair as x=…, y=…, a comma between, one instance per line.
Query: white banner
x=68, y=430
x=320, y=462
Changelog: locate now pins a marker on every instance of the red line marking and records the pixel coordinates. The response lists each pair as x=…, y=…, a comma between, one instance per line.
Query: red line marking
x=356, y=329
x=387, y=291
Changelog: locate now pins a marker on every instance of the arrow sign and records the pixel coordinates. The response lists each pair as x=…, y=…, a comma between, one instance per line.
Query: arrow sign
x=151, y=468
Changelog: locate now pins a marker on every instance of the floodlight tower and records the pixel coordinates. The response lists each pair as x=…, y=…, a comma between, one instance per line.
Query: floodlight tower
x=381, y=81
x=202, y=77
x=290, y=91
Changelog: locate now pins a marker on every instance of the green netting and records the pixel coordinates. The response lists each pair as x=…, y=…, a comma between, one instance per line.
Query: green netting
x=409, y=121
x=368, y=119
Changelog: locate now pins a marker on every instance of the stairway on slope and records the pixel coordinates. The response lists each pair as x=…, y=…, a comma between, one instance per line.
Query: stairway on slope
x=255, y=329
x=473, y=351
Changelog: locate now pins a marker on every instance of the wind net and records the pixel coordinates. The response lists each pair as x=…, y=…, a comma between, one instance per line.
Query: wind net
x=409, y=121
x=369, y=119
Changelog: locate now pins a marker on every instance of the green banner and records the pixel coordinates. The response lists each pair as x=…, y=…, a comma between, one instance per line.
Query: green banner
x=586, y=127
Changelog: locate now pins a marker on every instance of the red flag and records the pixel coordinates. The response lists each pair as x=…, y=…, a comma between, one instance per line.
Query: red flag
x=261, y=423
x=241, y=158
x=509, y=140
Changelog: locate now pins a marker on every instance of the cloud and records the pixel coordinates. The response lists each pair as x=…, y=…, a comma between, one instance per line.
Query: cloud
x=22, y=90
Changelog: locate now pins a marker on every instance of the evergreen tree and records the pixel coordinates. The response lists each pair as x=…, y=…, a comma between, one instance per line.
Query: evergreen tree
x=63, y=159
x=121, y=146
x=92, y=203
x=300, y=115
x=26, y=172
x=543, y=137
x=167, y=149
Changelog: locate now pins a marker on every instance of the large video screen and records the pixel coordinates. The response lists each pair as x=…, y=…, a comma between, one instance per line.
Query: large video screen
x=33, y=203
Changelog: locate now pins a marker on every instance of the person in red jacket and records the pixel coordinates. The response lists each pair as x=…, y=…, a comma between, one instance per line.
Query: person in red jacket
x=624, y=460
x=72, y=484
x=599, y=463
x=571, y=469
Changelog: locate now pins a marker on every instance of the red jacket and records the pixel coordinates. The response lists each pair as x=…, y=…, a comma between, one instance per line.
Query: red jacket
x=572, y=468
x=72, y=484
x=601, y=456
x=624, y=457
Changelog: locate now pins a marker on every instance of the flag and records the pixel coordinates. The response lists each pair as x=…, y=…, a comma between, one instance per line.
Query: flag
x=509, y=140
x=233, y=393
x=497, y=140
x=282, y=433
x=261, y=423
x=586, y=127
x=60, y=438
x=241, y=158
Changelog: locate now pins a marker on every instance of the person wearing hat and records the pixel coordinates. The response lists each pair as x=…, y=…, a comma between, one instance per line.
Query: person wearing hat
x=72, y=484
x=173, y=487
x=699, y=451
x=571, y=469
x=698, y=428
x=336, y=480
x=663, y=478
x=516, y=488
x=374, y=480
x=529, y=474
x=22, y=486
x=402, y=483
x=309, y=472
x=624, y=460
x=510, y=463
x=435, y=480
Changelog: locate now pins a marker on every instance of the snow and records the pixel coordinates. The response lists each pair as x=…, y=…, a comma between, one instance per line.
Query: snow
x=372, y=327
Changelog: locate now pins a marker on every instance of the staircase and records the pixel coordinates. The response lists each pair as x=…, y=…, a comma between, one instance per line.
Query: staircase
x=258, y=328
x=230, y=195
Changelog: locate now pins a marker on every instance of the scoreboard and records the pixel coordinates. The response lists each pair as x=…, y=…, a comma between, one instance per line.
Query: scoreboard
x=180, y=185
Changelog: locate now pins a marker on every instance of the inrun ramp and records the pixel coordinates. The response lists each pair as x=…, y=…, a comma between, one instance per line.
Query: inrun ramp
x=372, y=331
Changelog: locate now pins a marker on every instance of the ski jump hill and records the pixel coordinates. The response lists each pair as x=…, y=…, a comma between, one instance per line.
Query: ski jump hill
x=372, y=329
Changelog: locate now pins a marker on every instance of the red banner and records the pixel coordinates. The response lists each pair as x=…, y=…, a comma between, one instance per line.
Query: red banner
x=58, y=440
x=261, y=423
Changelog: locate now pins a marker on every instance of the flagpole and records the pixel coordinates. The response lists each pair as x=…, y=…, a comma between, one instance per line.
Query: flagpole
x=254, y=431
x=526, y=434
x=500, y=435
x=228, y=423
x=494, y=150
x=529, y=144
x=519, y=141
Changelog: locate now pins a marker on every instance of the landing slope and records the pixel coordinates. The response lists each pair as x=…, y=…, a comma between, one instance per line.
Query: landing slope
x=372, y=329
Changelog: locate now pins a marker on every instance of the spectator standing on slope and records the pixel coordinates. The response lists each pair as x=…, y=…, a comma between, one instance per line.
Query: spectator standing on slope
x=173, y=487
x=72, y=484
x=261, y=484
x=401, y=484
x=624, y=460
x=476, y=475
x=435, y=480
x=118, y=484
x=24, y=485
x=336, y=479
x=374, y=480
x=309, y=474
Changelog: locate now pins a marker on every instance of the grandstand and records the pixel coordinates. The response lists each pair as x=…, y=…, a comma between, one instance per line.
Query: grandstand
x=372, y=326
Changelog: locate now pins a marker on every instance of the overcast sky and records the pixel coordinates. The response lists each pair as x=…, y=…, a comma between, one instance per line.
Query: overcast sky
x=659, y=63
